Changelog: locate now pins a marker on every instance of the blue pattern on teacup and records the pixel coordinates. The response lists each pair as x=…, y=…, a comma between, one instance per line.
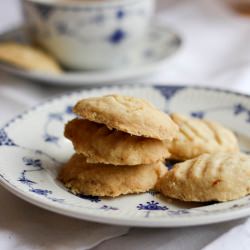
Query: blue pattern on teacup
x=117, y=36
x=94, y=29
x=120, y=14
x=44, y=11
x=150, y=53
x=94, y=18
x=62, y=28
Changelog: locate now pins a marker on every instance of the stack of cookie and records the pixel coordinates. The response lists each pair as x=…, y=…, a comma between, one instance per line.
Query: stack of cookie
x=120, y=146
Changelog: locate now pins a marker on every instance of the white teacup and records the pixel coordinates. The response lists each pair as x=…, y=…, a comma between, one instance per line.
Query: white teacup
x=88, y=34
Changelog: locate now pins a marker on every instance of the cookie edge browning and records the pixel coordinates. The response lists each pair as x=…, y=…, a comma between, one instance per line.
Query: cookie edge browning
x=114, y=121
x=173, y=187
x=176, y=146
x=144, y=154
x=157, y=169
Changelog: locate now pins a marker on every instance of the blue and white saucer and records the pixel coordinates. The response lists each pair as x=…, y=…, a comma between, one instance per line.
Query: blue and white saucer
x=33, y=148
x=159, y=45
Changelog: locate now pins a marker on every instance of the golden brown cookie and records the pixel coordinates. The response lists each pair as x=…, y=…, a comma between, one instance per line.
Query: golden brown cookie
x=28, y=58
x=102, y=145
x=209, y=177
x=198, y=136
x=109, y=180
x=128, y=114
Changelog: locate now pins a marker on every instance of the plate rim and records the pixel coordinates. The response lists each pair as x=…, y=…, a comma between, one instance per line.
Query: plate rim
x=140, y=221
x=131, y=222
x=125, y=86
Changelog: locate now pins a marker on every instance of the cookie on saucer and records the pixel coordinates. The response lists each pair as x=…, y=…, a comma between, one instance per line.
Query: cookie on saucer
x=28, y=58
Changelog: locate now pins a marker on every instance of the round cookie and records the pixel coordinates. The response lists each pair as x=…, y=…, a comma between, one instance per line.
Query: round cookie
x=197, y=136
x=220, y=176
x=128, y=114
x=109, y=180
x=28, y=58
x=102, y=145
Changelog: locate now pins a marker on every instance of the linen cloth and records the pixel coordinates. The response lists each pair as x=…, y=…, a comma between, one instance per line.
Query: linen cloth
x=216, y=53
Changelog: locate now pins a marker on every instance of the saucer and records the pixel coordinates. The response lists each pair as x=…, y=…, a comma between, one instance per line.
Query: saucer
x=159, y=44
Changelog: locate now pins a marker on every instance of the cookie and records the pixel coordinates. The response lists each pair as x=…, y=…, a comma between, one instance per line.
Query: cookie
x=102, y=145
x=28, y=58
x=128, y=114
x=109, y=180
x=220, y=176
x=198, y=136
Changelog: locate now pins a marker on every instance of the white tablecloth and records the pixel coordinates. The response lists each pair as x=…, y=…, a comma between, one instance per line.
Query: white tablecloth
x=215, y=52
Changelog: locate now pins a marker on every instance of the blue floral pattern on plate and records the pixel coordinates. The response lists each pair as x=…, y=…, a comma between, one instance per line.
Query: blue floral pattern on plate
x=29, y=161
x=37, y=166
x=5, y=140
x=151, y=205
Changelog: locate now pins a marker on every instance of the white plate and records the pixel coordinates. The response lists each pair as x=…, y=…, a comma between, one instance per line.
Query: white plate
x=160, y=44
x=32, y=149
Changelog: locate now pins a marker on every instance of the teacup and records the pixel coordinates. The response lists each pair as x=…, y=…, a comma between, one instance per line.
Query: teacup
x=88, y=34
